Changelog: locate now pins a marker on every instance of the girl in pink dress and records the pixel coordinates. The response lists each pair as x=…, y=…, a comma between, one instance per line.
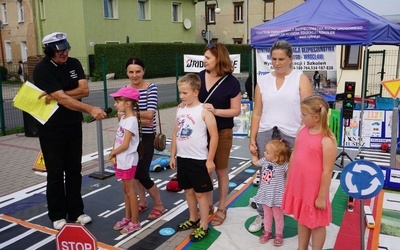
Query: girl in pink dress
x=309, y=175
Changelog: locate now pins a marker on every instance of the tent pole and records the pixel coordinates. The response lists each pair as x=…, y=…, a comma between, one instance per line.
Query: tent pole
x=253, y=75
x=363, y=86
x=395, y=120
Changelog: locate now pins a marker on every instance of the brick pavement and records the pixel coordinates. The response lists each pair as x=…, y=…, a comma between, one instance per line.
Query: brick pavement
x=19, y=153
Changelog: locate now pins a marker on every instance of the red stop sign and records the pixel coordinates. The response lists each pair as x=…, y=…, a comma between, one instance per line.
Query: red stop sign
x=75, y=237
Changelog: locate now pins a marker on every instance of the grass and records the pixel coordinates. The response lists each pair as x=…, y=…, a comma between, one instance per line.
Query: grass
x=11, y=82
x=15, y=130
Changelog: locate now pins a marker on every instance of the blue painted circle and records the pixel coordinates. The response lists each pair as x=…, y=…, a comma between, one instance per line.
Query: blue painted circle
x=362, y=179
x=232, y=184
x=167, y=231
x=250, y=170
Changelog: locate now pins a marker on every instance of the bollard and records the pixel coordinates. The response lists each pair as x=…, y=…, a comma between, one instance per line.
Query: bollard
x=101, y=174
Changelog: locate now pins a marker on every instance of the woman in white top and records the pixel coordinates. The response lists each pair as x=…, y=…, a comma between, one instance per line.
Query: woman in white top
x=277, y=99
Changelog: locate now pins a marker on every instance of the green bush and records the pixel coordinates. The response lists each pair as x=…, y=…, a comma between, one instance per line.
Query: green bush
x=3, y=73
x=160, y=59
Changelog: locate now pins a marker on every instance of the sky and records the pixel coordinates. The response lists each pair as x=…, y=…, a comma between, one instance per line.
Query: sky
x=381, y=7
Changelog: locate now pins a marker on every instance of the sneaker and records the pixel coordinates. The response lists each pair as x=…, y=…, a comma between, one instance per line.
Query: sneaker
x=58, y=224
x=256, y=180
x=131, y=227
x=84, y=219
x=121, y=224
x=257, y=224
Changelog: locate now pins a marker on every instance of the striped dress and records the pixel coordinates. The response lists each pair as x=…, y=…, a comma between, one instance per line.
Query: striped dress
x=272, y=183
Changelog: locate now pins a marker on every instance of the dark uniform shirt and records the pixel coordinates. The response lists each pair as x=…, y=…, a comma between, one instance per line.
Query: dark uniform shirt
x=51, y=77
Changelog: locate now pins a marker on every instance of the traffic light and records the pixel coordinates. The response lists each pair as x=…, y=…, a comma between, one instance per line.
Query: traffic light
x=348, y=100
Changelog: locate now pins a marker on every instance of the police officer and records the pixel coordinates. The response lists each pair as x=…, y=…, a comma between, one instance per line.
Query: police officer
x=62, y=78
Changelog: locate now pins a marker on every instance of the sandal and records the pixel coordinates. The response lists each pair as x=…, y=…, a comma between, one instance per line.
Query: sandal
x=278, y=241
x=187, y=224
x=219, y=217
x=265, y=237
x=121, y=224
x=210, y=211
x=156, y=213
x=143, y=208
x=198, y=234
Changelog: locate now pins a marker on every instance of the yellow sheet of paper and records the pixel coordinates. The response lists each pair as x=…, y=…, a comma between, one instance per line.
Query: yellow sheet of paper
x=27, y=100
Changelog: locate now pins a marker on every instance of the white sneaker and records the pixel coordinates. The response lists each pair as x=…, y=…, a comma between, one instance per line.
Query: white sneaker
x=256, y=180
x=84, y=219
x=58, y=224
x=257, y=224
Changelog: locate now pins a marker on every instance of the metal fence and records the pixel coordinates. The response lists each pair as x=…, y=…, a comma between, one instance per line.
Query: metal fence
x=13, y=119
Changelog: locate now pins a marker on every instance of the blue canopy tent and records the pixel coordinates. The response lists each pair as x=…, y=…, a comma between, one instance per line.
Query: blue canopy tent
x=329, y=22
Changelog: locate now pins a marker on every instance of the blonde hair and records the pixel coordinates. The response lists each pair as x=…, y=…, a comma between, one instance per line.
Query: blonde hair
x=192, y=79
x=281, y=150
x=316, y=104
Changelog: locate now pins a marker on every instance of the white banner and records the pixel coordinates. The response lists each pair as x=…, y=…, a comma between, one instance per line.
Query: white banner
x=307, y=59
x=194, y=63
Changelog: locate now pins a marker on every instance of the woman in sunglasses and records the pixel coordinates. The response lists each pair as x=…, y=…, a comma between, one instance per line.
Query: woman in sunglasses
x=221, y=95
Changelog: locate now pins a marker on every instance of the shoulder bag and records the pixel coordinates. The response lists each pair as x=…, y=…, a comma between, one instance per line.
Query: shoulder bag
x=160, y=140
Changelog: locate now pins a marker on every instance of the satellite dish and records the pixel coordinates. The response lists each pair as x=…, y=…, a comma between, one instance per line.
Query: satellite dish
x=187, y=23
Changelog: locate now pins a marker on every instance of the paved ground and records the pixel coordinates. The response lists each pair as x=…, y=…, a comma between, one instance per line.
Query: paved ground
x=19, y=153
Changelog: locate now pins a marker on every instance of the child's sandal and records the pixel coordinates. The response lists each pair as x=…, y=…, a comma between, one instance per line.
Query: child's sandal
x=187, y=224
x=198, y=234
x=265, y=237
x=278, y=241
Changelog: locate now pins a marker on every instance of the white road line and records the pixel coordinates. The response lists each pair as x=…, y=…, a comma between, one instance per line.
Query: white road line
x=17, y=238
x=42, y=242
x=23, y=194
x=113, y=212
x=8, y=226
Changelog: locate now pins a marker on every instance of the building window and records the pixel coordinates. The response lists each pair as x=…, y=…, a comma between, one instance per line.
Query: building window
x=237, y=40
x=20, y=12
x=176, y=12
x=8, y=51
x=238, y=15
x=351, y=57
x=210, y=14
x=144, y=9
x=269, y=10
x=42, y=11
x=110, y=9
x=4, y=18
x=24, y=51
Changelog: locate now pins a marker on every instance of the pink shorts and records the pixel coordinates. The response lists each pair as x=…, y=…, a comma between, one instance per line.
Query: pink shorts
x=127, y=174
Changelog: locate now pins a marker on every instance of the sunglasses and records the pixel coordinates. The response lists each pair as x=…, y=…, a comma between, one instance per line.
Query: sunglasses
x=211, y=46
x=63, y=50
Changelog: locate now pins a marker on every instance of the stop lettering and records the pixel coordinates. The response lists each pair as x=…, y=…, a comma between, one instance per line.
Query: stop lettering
x=75, y=237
